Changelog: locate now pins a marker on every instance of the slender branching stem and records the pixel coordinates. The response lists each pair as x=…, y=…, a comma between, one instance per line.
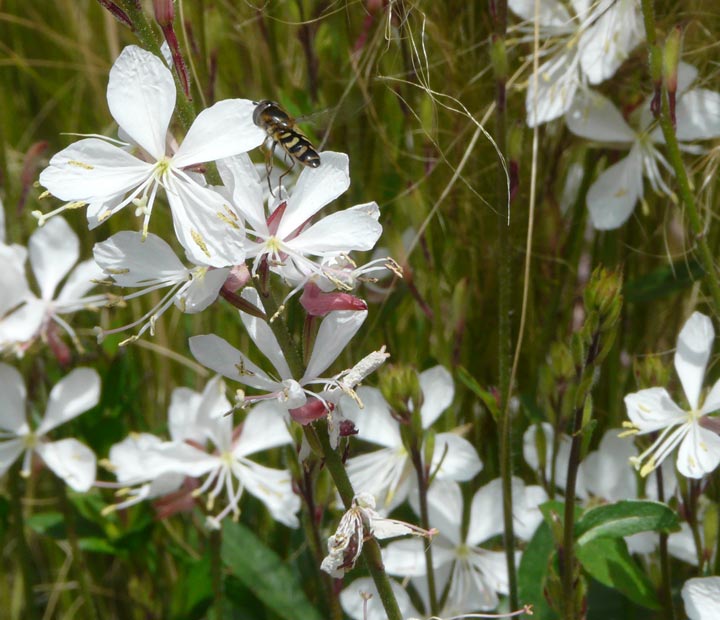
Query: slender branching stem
x=675, y=158
x=215, y=544
x=23, y=549
x=425, y=523
x=666, y=586
x=504, y=294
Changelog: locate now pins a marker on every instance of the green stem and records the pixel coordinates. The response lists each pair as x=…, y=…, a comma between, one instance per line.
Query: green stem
x=83, y=575
x=666, y=588
x=504, y=298
x=23, y=549
x=216, y=570
x=675, y=157
x=425, y=523
x=371, y=548
x=568, y=548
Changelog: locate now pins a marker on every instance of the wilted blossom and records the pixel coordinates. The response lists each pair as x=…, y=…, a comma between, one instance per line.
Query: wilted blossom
x=358, y=524
x=68, y=459
x=653, y=411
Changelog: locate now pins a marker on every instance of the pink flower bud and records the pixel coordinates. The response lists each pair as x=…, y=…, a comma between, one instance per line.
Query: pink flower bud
x=317, y=303
x=312, y=410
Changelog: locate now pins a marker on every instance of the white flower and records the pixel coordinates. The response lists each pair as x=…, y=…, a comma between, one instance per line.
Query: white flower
x=95, y=170
x=360, y=601
x=286, y=238
x=54, y=251
x=587, y=47
x=388, y=473
x=204, y=443
x=614, y=194
x=652, y=410
x=702, y=598
x=150, y=264
x=476, y=575
x=356, y=525
x=68, y=459
x=335, y=332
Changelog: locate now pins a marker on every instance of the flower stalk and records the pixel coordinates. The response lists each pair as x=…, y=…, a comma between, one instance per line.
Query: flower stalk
x=23, y=549
x=665, y=116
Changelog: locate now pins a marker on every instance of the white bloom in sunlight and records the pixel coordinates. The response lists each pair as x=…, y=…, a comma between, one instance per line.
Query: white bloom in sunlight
x=701, y=597
x=204, y=444
x=151, y=265
x=652, y=410
x=335, y=332
x=356, y=525
x=611, y=199
x=54, y=251
x=476, y=575
x=68, y=459
x=104, y=173
x=361, y=601
x=285, y=237
x=388, y=473
x=586, y=47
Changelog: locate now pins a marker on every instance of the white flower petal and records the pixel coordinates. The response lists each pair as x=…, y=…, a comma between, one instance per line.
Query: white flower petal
x=356, y=229
x=608, y=474
x=141, y=98
x=445, y=509
x=374, y=421
x=456, y=457
x=608, y=42
x=205, y=224
x=13, y=281
x=361, y=601
x=93, y=169
x=595, y=117
x=263, y=428
x=22, y=324
x=183, y=415
x=12, y=412
x=557, y=83
x=386, y=474
x=218, y=355
x=130, y=261
x=78, y=283
x=653, y=409
x=243, y=182
x=405, y=558
x=54, y=249
x=698, y=115
x=711, y=403
x=273, y=487
x=438, y=391
x=70, y=460
x=613, y=196
x=203, y=290
x=551, y=14
x=315, y=188
x=72, y=395
x=336, y=331
x=693, y=351
x=9, y=452
x=681, y=545
x=222, y=130
x=699, y=452
x=701, y=597
x=263, y=336
x=486, y=513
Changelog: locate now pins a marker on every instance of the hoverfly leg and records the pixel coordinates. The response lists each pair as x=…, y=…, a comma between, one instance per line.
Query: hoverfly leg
x=284, y=174
x=269, y=154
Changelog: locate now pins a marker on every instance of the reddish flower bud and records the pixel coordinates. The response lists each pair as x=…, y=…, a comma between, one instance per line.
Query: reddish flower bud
x=318, y=303
x=312, y=410
x=238, y=277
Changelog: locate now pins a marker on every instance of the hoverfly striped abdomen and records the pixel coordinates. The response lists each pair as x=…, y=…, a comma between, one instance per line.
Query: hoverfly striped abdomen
x=283, y=130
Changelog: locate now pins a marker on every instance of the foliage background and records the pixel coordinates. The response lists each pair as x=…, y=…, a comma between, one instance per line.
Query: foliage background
x=403, y=91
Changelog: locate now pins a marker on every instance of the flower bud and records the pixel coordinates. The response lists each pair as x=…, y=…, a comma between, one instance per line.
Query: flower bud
x=400, y=386
x=318, y=303
x=671, y=60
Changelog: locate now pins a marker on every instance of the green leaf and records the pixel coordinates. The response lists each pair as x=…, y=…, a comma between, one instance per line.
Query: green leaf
x=264, y=573
x=190, y=602
x=608, y=561
x=663, y=282
x=532, y=572
x=623, y=519
x=486, y=396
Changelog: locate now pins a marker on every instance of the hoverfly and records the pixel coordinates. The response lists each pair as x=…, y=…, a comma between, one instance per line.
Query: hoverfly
x=282, y=129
